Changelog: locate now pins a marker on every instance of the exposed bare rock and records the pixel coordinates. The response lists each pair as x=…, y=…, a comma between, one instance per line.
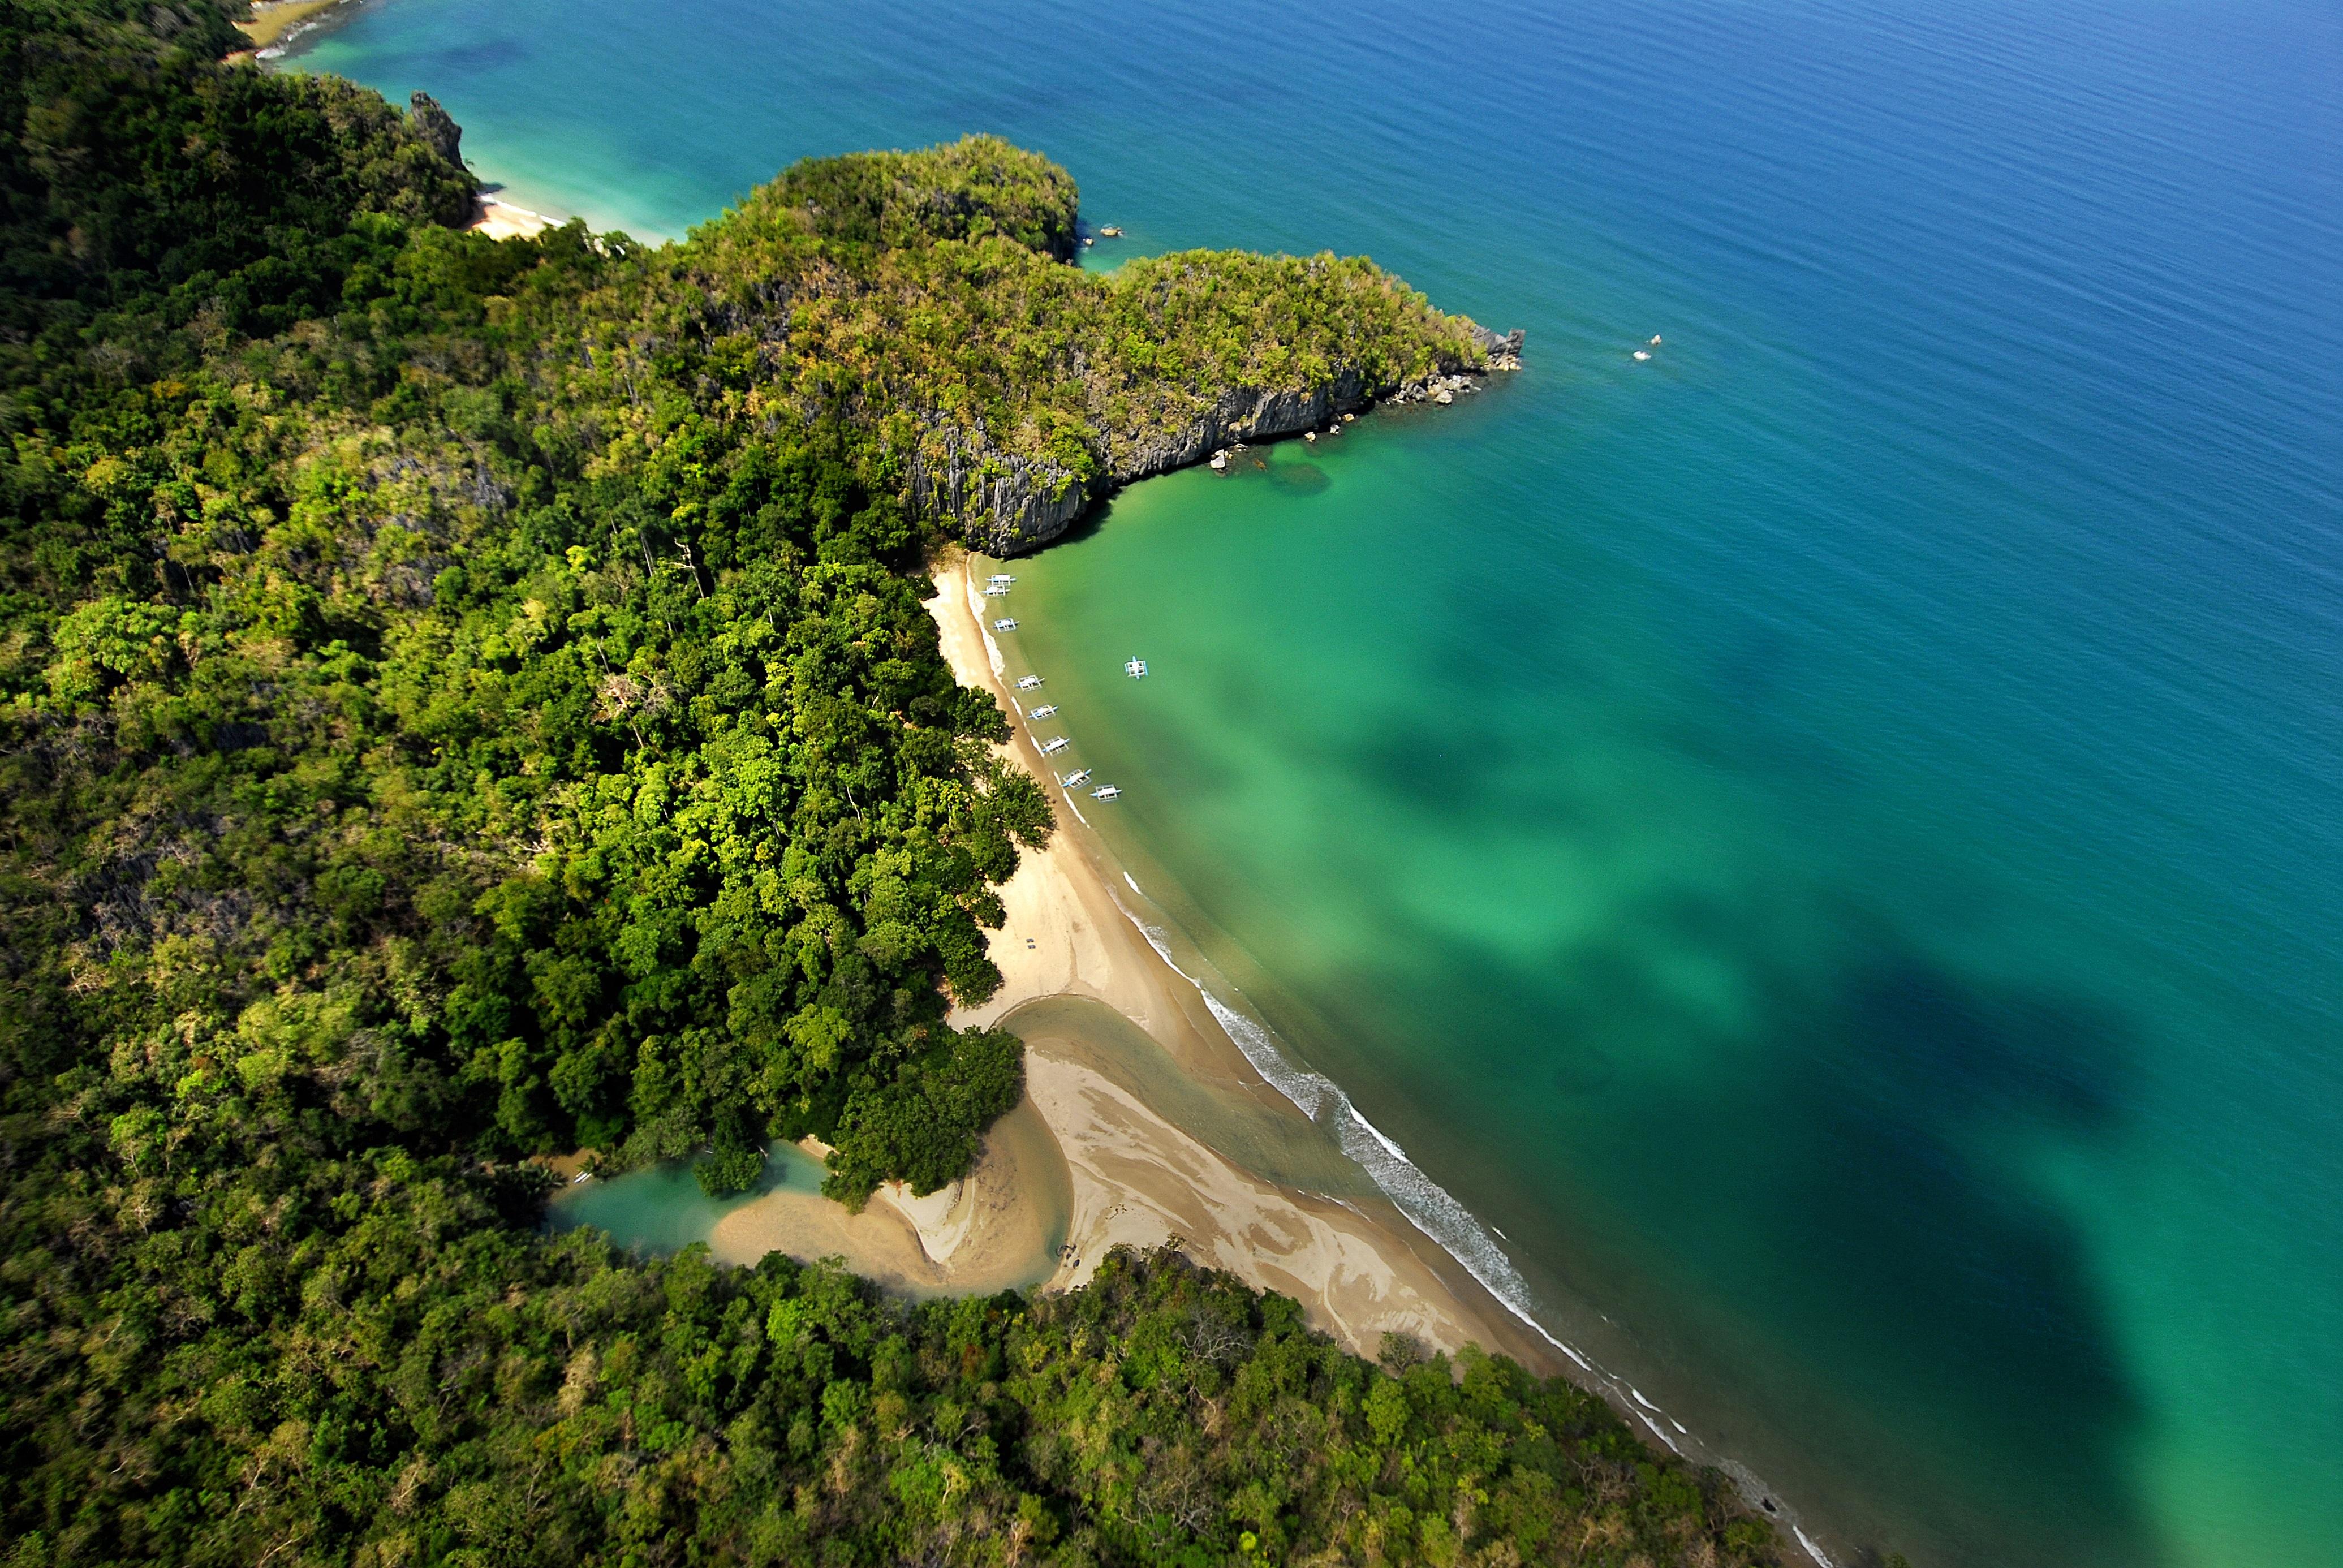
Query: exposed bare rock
x=1004, y=504
x=1001, y=504
x=437, y=127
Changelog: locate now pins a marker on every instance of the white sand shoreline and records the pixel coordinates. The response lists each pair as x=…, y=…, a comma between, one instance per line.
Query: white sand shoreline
x=1138, y=1177
x=503, y=220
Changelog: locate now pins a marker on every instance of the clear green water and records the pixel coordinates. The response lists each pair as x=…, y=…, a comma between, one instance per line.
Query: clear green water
x=663, y=1209
x=1829, y=839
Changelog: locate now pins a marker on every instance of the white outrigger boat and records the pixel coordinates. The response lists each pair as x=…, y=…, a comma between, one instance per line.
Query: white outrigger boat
x=1051, y=748
x=1136, y=668
x=1044, y=712
x=1027, y=682
x=1006, y=623
x=1076, y=778
x=1105, y=792
x=999, y=580
x=994, y=590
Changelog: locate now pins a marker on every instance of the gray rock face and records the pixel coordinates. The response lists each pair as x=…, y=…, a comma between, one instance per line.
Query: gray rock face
x=1247, y=415
x=1499, y=345
x=1004, y=505
x=1001, y=504
x=437, y=128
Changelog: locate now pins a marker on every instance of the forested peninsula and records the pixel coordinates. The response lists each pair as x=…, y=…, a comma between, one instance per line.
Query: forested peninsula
x=466, y=700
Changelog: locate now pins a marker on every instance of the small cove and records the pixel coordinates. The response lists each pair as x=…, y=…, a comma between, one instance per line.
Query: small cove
x=662, y=1209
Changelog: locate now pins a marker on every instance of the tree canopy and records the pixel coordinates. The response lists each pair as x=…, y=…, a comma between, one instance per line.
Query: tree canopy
x=463, y=700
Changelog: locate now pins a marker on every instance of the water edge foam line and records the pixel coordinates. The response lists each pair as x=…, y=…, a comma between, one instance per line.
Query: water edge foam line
x=1429, y=1207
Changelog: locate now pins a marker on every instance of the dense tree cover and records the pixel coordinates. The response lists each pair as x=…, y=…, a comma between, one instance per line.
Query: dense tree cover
x=504, y=1400
x=461, y=701
x=926, y=292
x=463, y=710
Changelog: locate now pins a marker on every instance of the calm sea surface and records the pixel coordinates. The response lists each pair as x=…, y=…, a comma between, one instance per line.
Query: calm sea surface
x=1829, y=839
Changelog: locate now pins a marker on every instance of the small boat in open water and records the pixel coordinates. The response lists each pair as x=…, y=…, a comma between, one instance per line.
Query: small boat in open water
x=1136, y=668
x=1105, y=792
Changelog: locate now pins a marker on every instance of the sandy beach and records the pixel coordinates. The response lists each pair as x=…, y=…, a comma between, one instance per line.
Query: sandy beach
x=1000, y=1229
x=1142, y=1124
x=273, y=21
x=502, y=220
x=1143, y=1117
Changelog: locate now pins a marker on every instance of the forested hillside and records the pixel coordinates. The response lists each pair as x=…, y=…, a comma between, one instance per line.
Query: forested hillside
x=463, y=700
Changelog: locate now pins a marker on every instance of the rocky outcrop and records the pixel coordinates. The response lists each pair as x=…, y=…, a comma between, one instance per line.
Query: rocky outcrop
x=1503, y=349
x=437, y=127
x=1246, y=415
x=1003, y=505
x=998, y=503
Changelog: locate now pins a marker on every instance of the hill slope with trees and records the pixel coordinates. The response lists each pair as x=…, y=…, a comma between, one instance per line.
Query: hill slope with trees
x=462, y=701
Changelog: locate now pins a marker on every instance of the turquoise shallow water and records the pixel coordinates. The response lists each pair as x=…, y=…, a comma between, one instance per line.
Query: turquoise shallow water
x=1829, y=839
x=663, y=1209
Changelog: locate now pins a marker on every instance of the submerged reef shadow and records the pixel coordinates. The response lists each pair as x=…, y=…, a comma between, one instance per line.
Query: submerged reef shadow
x=1827, y=1143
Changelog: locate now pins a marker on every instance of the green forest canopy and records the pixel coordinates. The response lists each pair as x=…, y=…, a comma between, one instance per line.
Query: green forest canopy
x=466, y=699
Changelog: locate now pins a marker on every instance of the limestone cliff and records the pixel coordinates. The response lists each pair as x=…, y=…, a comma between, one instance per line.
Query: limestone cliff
x=1002, y=504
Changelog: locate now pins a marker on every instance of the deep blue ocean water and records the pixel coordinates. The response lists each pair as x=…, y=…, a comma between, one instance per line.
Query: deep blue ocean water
x=1828, y=838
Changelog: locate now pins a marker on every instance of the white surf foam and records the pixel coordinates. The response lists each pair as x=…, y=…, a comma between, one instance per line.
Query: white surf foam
x=1428, y=1206
x=1662, y=1436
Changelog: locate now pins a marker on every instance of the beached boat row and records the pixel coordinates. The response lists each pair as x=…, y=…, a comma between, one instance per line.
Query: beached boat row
x=997, y=586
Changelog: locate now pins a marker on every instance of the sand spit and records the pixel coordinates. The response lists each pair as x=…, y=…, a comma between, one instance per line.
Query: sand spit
x=1000, y=1229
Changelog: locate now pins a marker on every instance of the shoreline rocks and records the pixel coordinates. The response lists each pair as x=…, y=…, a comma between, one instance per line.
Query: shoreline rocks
x=1004, y=505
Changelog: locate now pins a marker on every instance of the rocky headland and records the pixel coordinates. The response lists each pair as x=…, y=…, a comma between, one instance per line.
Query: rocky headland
x=1004, y=504
x=936, y=296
